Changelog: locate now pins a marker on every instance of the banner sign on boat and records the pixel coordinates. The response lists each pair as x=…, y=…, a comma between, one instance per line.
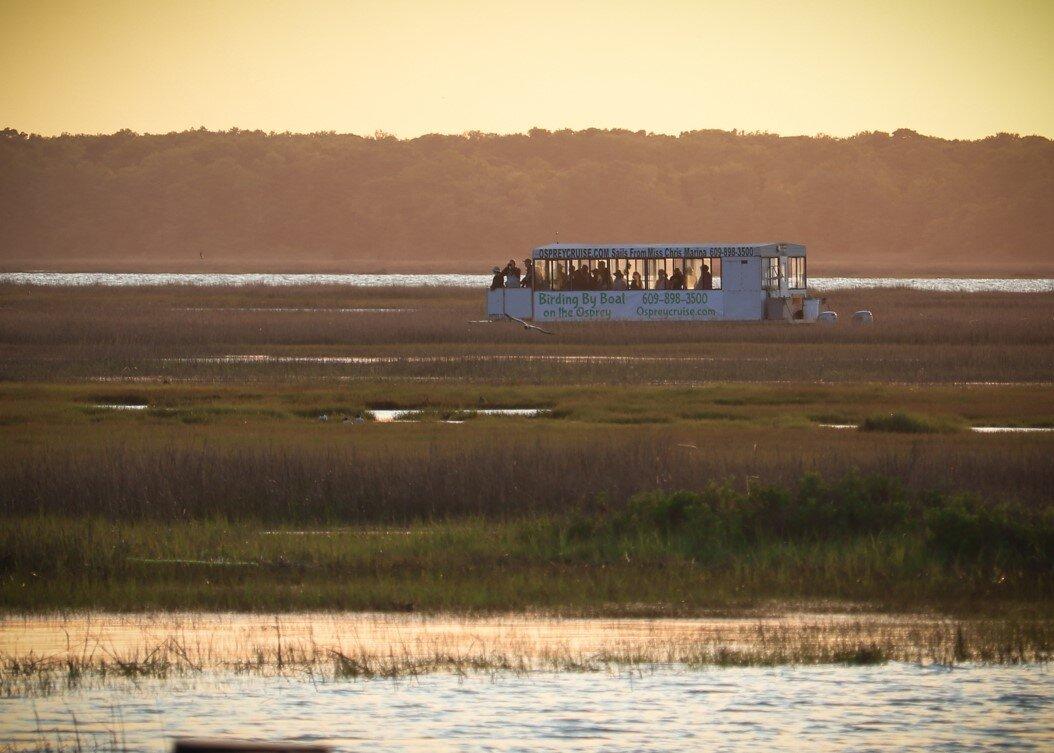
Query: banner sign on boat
x=643, y=252
x=610, y=305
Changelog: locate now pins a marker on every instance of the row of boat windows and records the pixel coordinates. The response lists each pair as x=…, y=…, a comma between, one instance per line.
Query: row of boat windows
x=629, y=274
x=642, y=274
x=795, y=273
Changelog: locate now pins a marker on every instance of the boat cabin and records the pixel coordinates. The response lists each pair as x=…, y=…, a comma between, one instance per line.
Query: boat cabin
x=689, y=282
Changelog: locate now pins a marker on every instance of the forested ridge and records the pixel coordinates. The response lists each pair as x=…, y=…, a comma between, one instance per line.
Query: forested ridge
x=270, y=201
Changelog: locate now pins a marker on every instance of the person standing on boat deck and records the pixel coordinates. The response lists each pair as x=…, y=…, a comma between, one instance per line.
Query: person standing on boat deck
x=560, y=278
x=590, y=278
x=635, y=283
x=528, y=274
x=498, y=281
x=605, y=276
x=663, y=283
x=512, y=274
x=706, y=279
x=619, y=283
x=583, y=280
x=676, y=280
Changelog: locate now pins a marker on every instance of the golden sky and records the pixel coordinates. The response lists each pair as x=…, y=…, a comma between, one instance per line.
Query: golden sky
x=961, y=69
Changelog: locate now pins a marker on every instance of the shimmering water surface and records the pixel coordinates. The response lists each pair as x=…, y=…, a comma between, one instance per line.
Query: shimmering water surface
x=978, y=429
x=124, y=279
x=209, y=639
x=891, y=707
x=646, y=706
x=392, y=416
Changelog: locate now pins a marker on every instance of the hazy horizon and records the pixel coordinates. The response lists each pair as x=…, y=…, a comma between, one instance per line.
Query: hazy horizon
x=962, y=70
x=381, y=134
x=897, y=202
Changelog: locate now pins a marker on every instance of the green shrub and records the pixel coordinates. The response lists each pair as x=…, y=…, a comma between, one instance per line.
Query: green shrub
x=811, y=510
x=963, y=528
x=955, y=527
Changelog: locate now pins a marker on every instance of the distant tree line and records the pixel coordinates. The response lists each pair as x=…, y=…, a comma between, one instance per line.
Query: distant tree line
x=272, y=198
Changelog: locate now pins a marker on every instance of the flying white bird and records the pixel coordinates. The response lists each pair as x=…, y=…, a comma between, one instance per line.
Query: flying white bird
x=528, y=325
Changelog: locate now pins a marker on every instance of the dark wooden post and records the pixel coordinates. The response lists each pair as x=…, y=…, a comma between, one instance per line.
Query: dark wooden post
x=196, y=745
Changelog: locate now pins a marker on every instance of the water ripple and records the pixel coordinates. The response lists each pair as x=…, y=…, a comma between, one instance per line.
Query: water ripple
x=899, y=705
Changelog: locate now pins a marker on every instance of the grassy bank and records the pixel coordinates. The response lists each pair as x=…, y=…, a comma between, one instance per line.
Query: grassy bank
x=859, y=539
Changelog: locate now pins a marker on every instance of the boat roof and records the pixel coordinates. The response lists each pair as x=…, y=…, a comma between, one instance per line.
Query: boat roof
x=664, y=250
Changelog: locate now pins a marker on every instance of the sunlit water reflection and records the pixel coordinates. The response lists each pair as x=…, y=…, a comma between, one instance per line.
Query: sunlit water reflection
x=649, y=705
x=821, y=284
x=977, y=429
x=212, y=640
x=667, y=708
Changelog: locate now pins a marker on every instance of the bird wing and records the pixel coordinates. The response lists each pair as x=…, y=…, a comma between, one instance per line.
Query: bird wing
x=527, y=325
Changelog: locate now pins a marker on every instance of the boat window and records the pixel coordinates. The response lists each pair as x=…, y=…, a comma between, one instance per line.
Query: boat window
x=796, y=273
x=630, y=267
x=771, y=280
x=558, y=274
x=541, y=276
x=651, y=271
x=694, y=277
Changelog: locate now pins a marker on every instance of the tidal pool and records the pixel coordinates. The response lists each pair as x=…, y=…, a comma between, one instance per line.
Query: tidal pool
x=977, y=429
x=385, y=416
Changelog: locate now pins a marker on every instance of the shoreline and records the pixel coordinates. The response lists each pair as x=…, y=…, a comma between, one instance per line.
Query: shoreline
x=483, y=267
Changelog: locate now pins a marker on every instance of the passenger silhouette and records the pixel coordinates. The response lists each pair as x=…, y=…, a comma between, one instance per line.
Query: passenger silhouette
x=604, y=277
x=706, y=279
x=528, y=274
x=676, y=281
x=512, y=274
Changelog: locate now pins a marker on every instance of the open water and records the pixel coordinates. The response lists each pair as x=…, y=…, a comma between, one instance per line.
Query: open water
x=905, y=706
x=820, y=284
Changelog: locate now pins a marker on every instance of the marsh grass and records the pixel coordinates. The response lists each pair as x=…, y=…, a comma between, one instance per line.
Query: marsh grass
x=135, y=333
x=303, y=471
x=523, y=646
x=856, y=538
x=94, y=502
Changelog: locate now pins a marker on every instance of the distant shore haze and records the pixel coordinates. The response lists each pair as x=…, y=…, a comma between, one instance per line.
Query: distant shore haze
x=888, y=204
